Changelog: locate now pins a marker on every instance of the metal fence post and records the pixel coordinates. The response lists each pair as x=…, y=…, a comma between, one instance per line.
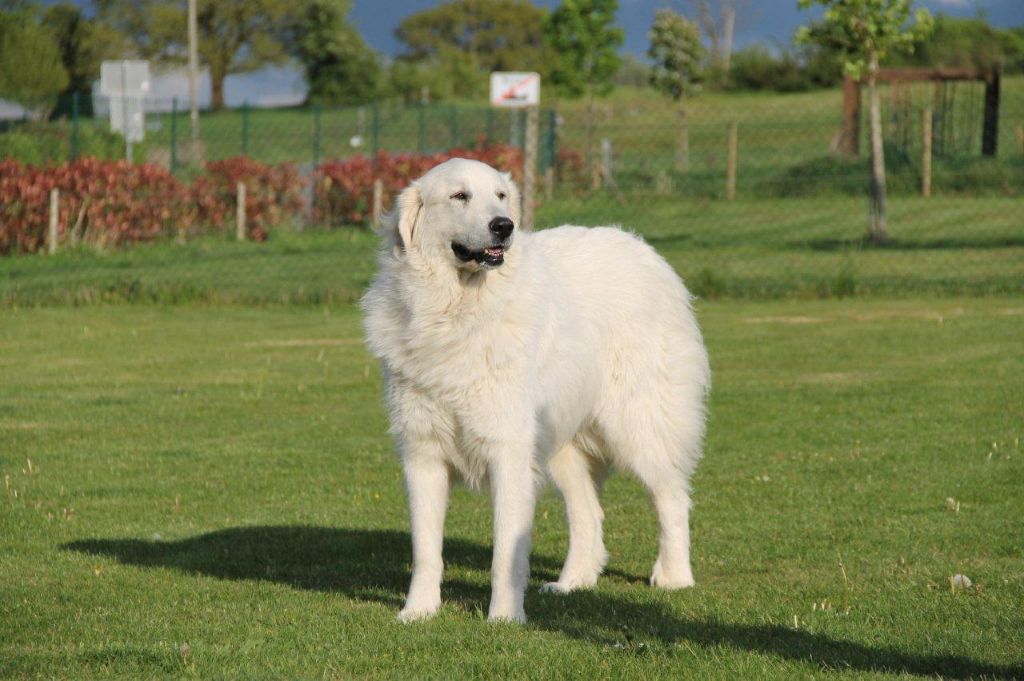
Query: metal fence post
x=245, y=129
x=316, y=135
x=74, y=125
x=421, y=140
x=453, y=126
x=174, y=134
x=375, y=130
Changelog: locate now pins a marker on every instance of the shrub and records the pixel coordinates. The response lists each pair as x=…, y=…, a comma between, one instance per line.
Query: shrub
x=105, y=202
x=38, y=144
x=343, y=189
x=272, y=193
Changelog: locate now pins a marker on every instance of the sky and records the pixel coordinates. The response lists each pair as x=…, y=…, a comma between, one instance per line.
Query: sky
x=772, y=22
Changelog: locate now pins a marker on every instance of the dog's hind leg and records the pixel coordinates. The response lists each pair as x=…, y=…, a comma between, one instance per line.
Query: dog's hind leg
x=427, y=481
x=577, y=481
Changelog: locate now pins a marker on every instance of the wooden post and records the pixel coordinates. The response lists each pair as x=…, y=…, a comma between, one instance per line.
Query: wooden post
x=240, y=212
x=378, y=200
x=990, y=131
x=51, y=236
x=730, y=169
x=606, y=160
x=926, y=152
x=849, y=143
x=530, y=168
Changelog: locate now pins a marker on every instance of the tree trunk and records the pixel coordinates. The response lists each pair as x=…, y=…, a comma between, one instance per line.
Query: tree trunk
x=877, y=228
x=217, y=90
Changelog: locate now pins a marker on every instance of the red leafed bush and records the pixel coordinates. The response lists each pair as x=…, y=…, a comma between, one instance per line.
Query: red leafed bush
x=105, y=202
x=343, y=190
x=271, y=193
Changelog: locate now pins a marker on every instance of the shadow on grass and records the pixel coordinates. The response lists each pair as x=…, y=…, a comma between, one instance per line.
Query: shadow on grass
x=952, y=243
x=371, y=565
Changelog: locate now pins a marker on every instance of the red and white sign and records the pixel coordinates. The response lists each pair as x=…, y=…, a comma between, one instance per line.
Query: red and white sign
x=513, y=89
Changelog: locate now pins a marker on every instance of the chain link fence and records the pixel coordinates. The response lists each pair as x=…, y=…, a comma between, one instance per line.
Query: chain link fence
x=752, y=195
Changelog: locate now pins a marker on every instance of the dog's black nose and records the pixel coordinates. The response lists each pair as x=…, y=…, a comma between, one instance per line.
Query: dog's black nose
x=501, y=227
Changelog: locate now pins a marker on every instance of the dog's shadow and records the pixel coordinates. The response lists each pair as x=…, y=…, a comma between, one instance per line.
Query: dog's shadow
x=371, y=565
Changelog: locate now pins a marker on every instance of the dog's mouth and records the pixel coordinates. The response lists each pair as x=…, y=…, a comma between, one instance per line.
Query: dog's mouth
x=493, y=256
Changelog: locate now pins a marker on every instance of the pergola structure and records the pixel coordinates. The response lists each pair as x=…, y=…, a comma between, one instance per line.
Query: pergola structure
x=850, y=140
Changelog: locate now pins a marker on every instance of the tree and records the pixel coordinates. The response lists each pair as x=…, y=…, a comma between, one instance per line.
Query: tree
x=83, y=43
x=464, y=40
x=235, y=36
x=584, y=45
x=719, y=32
x=866, y=31
x=31, y=73
x=340, y=68
x=676, y=54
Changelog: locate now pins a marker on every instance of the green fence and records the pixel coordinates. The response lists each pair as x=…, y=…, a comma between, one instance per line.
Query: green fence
x=745, y=194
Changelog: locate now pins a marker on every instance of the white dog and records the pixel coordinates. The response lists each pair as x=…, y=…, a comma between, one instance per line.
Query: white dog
x=511, y=355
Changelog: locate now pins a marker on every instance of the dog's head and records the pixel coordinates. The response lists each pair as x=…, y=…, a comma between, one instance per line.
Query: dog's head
x=461, y=212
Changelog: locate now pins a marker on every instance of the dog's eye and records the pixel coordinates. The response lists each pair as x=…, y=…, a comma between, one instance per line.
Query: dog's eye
x=501, y=196
x=460, y=196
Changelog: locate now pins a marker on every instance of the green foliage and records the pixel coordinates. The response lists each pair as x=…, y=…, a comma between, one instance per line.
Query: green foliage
x=633, y=72
x=84, y=43
x=34, y=144
x=676, y=52
x=966, y=43
x=31, y=73
x=584, y=43
x=758, y=68
x=866, y=31
x=340, y=68
x=235, y=36
x=482, y=35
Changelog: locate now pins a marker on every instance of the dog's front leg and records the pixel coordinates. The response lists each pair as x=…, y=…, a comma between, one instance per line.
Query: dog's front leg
x=513, y=493
x=427, y=483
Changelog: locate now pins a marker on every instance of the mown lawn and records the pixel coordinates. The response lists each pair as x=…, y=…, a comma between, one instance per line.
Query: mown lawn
x=208, y=491
x=809, y=247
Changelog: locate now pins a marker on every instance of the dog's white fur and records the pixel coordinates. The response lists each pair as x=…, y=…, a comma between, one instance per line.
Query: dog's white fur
x=580, y=353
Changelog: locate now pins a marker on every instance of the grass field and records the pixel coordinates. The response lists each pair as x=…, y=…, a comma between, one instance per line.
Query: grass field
x=750, y=248
x=208, y=492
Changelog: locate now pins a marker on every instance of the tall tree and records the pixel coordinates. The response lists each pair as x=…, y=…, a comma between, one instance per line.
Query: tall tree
x=584, y=44
x=719, y=31
x=676, y=54
x=467, y=39
x=865, y=31
x=235, y=36
x=83, y=43
x=31, y=73
x=340, y=68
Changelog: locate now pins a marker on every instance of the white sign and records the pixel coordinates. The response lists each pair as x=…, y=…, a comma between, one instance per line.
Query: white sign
x=126, y=82
x=130, y=107
x=125, y=77
x=512, y=89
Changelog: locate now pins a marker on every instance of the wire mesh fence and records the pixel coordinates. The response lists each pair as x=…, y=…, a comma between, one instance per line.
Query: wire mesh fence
x=745, y=194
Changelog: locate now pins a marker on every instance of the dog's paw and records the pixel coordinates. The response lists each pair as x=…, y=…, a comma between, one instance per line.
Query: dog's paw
x=415, y=614
x=564, y=586
x=517, y=617
x=661, y=579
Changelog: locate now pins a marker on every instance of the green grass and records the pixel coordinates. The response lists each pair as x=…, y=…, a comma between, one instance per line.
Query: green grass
x=747, y=248
x=208, y=492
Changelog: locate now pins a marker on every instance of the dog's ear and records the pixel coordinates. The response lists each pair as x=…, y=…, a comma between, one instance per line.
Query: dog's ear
x=399, y=225
x=514, y=200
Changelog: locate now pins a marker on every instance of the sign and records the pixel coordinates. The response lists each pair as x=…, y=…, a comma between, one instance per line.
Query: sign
x=125, y=77
x=514, y=89
x=126, y=82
